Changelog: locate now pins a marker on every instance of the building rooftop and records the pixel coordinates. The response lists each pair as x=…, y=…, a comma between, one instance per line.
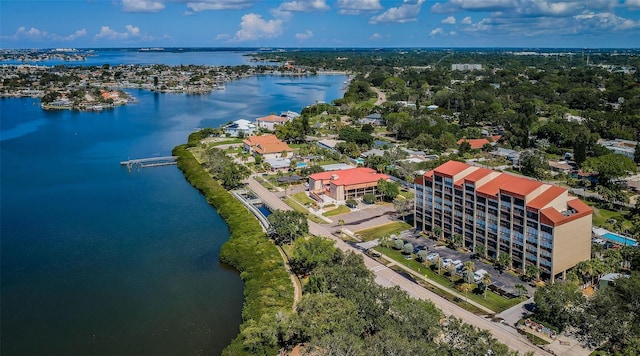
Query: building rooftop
x=519, y=186
x=272, y=118
x=350, y=176
x=451, y=168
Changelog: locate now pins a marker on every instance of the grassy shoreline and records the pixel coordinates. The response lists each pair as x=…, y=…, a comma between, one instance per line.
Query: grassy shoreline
x=267, y=287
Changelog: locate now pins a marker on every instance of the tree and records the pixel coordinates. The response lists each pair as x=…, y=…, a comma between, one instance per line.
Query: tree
x=533, y=164
x=556, y=303
x=464, y=147
x=398, y=244
x=311, y=253
x=286, y=226
x=403, y=206
x=486, y=281
x=636, y=154
x=352, y=203
x=388, y=189
x=503, y=261
x=439, y=262
x=532, y=272
x=609, y=167
x=520, y=289
x=479, y=251
x=369, y=198
x=437, y=232
x=407, y=248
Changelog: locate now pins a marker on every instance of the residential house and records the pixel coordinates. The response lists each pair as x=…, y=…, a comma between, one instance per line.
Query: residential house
x=534, y=223
x=346, y=184
x=619, y=146
x=267, y=146
x=270, y=122
x=240, y=128
x=374, y=119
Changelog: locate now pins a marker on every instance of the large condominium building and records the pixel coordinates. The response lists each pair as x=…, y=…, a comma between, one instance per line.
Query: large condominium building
x=534, y=223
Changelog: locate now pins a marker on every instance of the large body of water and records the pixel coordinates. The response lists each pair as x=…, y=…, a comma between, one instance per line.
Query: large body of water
x=97, y=260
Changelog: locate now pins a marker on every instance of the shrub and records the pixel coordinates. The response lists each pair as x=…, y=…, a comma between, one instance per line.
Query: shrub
x=369, y=199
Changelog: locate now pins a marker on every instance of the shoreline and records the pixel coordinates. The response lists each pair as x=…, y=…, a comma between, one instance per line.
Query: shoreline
x=267, y=285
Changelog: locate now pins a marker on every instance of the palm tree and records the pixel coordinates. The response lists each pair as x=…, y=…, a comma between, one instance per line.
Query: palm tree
x=486, y=281
x=469, y=266
x=584, y=270
x=439, y=264
x=532, y=272
x=451, y=269
x=480, y=251
x=437, y=232
x=520, y=289
x=456, y=240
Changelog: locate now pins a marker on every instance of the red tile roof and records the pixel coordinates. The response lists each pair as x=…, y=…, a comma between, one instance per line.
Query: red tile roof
x=476, y=143
x=546, y=197
x=267, y=144
x=492, y=187
x=272, y=118
x=451, y=168
x=520, y=186
x=551, y=216
x=478, y=174
x=350, y=176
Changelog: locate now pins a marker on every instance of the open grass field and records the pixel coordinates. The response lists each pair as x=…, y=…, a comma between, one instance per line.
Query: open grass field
x=341, y=209
x=384, y=230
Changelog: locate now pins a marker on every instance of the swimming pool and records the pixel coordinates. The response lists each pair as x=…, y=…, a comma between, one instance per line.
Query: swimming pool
x=620, y=240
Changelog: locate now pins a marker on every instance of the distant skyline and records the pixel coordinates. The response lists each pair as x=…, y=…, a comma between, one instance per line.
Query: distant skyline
x=320, y=23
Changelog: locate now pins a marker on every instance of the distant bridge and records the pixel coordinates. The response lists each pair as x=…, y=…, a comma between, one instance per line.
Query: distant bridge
x=150, y=162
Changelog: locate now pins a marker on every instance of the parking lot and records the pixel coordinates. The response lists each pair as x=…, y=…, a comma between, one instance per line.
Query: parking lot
x=503, y=280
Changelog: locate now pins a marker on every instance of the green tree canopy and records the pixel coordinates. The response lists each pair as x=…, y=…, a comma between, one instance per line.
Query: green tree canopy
x=610, y=167
x=286, y=226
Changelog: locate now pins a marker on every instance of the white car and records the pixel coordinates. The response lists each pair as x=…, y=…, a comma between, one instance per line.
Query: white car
x=432, y=256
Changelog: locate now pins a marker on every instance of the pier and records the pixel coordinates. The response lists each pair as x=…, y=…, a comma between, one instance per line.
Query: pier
x=150, y=162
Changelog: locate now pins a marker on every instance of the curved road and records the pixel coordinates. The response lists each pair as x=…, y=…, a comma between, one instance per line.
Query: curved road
x=388, y=278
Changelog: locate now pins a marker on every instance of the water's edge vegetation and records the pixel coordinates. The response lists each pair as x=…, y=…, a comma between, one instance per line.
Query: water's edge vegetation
x=267, y=287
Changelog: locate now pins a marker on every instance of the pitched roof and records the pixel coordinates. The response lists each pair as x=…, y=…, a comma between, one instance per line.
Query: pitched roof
x=350, y=176
x=476, y=143
x=272, y=118
x=267, y=144
x=551, y=216
x=478, y=174
x=520, y=186
x=451, y=168
x=492, y=187
x=546, y=197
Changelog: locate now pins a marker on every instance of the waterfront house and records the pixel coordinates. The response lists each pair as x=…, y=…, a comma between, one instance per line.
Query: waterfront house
x=240, y=128
x=267, y=146
x=270, y=122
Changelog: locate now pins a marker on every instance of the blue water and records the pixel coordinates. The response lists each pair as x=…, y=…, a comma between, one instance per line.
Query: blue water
x=620, y=240
x=126, y=56
x=97, y=260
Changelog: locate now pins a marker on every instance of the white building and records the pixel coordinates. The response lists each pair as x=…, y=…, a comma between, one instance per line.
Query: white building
x=240, y=127
x=621, y=147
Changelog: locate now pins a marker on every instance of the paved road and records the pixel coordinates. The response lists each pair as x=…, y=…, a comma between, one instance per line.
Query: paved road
x=388, y=278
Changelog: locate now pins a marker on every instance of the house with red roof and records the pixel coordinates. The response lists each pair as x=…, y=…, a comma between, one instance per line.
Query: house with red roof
x=346, y=184
x=270, y=122
x=267, y=146
x=535, y=223
x=478, y=143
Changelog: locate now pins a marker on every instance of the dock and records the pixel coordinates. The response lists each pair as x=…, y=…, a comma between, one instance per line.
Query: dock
x=150, y=162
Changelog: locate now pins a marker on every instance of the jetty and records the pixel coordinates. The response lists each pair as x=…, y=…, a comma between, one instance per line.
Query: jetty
x=150, y=162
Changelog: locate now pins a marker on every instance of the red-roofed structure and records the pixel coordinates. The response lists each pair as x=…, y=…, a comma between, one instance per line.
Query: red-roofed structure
x=267, y=146
x=535, y=223
x=270, y=122
x=346, y=184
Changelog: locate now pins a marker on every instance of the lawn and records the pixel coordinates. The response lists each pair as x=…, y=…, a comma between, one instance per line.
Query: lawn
x=297, y=207
x=341, y=209
x=303, y=199
x=600, y=216
x=384, y=230
x=493, y=301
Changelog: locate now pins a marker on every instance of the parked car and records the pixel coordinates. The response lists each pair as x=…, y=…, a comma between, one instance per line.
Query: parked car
x=477, y=275
x=431, y=257
x=446, y=262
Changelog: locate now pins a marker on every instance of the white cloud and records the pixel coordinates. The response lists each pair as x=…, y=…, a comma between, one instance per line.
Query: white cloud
x=449, y=20
x=407, y=12
x=354, y=7
x=35, y=34
x=606, y=21
x=304, y=36
x=108, y=33
x=632, y=4
x=141, y=6
x=467, y=20
x=453, y=33
x=436, y=31
x=304, y=6
x=219, y=5
x=223, y=36
x=253, y=27
x=375, y=36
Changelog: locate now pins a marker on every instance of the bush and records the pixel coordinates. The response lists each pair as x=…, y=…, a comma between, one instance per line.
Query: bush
x=352, y=203
x=369, y=199
x=398, y=244
x=407, y=248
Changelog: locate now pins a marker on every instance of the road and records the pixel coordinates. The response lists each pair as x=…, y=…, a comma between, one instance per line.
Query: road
x=388, y=278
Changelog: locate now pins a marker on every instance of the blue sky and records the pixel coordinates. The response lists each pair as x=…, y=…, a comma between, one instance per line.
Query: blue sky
x=319, y=23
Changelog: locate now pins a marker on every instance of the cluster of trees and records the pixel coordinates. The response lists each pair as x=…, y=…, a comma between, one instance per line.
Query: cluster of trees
x=222, y=167
x=609, y=320
x=344, y=312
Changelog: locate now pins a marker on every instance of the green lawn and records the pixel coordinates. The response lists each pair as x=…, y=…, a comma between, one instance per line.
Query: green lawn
x=341, y=209
x=493, y=301
x=600, y=216
x=406, y=194
x=379, y=231
x=297, y=207
x=302, y=198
